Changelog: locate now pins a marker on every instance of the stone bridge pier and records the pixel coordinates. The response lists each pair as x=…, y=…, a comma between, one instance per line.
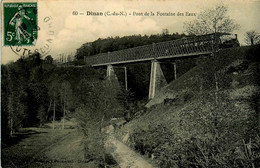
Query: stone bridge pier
x=162, y=73
x=111, y=75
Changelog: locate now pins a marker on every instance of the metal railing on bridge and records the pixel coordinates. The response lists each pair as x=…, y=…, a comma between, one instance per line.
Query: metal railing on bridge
x=197, y=45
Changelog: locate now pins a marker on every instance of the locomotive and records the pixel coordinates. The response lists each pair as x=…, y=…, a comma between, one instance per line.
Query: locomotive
x=227, y=40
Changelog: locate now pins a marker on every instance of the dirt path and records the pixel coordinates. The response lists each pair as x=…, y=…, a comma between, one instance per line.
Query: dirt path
x=125, y=157
x=47, y=148
x=67, y=153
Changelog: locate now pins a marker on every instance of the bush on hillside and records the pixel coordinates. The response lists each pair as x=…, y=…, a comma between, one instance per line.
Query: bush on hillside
x=99, y=103
x=253, y=53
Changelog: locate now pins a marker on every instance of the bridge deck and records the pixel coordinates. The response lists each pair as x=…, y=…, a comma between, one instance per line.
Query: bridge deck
x=198, y=45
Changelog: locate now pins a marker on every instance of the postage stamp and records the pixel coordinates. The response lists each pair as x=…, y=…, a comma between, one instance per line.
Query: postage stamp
x=20, y=24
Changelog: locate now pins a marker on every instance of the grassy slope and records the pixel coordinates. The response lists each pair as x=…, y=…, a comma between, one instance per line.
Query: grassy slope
x=34, y=140
x=186, y=112
x=191, y=80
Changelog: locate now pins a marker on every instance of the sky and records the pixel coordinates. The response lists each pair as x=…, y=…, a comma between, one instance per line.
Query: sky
x=68, y=32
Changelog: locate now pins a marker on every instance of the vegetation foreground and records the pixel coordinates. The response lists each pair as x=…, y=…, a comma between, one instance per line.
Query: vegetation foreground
x=209, y=117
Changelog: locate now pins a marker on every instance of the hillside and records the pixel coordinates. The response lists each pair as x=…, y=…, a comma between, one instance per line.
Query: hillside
x=203, y=119
x=192, y=80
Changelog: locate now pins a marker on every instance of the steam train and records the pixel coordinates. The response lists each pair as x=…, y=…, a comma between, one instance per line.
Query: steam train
x=228, y=40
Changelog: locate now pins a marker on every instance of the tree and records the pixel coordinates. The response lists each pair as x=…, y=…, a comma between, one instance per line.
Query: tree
x=66, y=96
x=35, y=59
x=41, y=115
x=211, y=20
x=53, y=94
x=48, y=59
x=37, y=95
x=16, y=97
x=165, y=32
x=252, y=38
x=98, y=104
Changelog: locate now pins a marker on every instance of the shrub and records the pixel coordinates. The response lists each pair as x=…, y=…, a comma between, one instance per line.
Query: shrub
x=253, y=53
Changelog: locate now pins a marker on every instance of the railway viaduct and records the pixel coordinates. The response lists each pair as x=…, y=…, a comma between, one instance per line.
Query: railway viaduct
x=157, y=53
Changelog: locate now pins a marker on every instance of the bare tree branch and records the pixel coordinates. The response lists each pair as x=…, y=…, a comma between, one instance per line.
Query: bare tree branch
x=252, y=38
x=211, y=20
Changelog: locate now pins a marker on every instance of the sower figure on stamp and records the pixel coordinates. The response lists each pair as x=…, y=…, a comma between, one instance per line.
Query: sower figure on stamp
x=17, y=20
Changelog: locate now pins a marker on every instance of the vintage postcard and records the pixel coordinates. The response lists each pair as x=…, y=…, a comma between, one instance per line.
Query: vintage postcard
x=130, y=83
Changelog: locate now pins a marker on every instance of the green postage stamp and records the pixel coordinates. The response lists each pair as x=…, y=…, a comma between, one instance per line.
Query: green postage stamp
x=20, y=24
